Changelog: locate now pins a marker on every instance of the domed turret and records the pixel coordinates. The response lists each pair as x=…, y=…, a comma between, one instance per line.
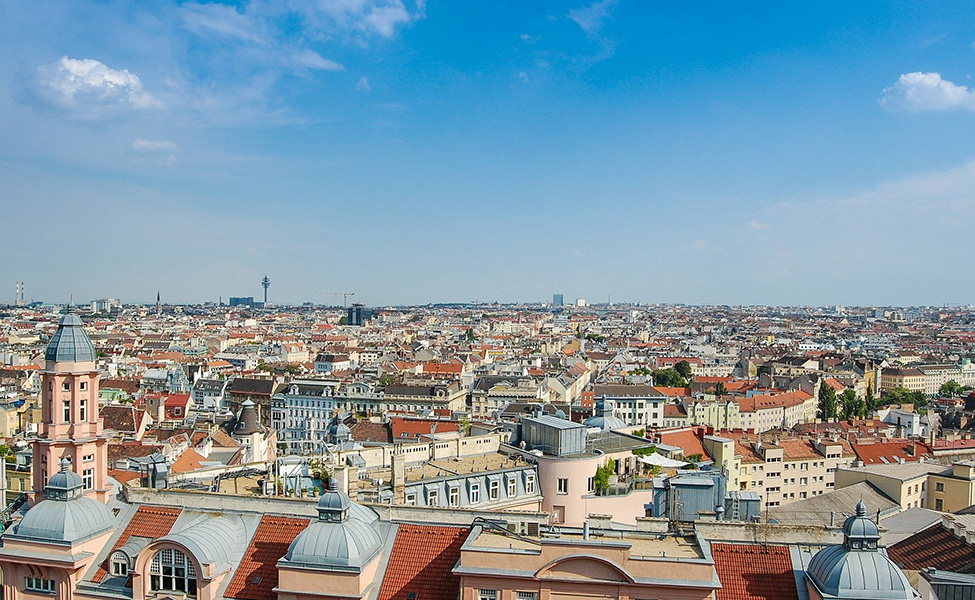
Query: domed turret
x=66, y=515
x=338, y=431
x=604, y=418
x=338, y=539
x=858, y=568
x=70, y=343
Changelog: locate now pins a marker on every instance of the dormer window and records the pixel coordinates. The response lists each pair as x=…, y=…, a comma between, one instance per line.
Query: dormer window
x=120, y=565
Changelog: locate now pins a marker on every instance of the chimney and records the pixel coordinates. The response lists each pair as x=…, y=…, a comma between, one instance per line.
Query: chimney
x=341, y=475
x=397, y=463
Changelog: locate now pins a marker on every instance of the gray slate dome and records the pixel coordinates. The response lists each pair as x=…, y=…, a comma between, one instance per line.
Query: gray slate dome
x=66, y=515
x=604, y=418
x=70, y=343
x=338, y=539
x=858, y=568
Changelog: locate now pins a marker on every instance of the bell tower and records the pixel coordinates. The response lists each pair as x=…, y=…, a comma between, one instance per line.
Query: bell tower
x=70, y=426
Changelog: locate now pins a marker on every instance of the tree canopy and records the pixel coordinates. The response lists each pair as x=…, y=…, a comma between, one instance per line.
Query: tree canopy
x=669, y=378
x=684, y=368
x=827, y=402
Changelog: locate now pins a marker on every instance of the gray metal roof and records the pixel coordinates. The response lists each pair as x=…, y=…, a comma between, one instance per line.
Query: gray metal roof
x=857, y=569
x=65, y=520
x=350, y=543
x=215, y=540
x=70, y=343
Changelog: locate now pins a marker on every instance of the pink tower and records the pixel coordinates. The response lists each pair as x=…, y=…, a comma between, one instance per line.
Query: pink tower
x=70, y=427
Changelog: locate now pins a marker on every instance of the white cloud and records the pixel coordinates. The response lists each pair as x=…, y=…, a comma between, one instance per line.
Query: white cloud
x=362, y=85
x=309, y=59
x=758, y=226
x=384, y=17
x=919, y=92
x=224, y=20
x=591, y=17
x=92, y=89
x=154, y=146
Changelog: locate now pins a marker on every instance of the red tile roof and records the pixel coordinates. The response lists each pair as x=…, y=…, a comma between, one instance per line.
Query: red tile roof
x=422, y=561
x=889, y=451
x=414, y=428
x=257, y=575
x=754, y=572
x=149, y=521
x=934, y=547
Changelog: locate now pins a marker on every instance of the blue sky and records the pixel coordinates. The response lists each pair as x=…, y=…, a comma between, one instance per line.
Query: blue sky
x=412, y=152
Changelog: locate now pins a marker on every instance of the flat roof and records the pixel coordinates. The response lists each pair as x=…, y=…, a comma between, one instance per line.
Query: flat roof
x=642, y=544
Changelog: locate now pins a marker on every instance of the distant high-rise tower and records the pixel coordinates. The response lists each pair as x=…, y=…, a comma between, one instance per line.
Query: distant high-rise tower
x=558, y=299
x=158, y=304
x=354, y=315
x=266, y=283
x=19, y=299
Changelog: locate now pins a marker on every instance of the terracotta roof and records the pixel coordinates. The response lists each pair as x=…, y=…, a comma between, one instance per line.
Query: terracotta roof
x=190, y=460
x=121, y=418
x=888, y=452
x=150, y=522
x=422, y=561
x=754, y=572
x=404, y=428
x=257, y=575
x=367, y=431
x=686, y=439
x=934, y=547
x=131, y=450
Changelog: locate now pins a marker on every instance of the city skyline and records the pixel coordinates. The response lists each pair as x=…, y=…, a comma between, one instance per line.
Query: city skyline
x=431, y=152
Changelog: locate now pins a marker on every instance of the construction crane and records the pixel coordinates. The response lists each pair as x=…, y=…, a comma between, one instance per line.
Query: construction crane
x=345, y=297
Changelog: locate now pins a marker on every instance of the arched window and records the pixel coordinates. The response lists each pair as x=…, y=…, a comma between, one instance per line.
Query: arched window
x=172, y=571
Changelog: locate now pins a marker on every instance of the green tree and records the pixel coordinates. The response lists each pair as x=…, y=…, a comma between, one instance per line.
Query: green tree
x=950, y=389
x=668, y=378
x=720, y=390
x=603, y=473
x=870, y=400
x=827, y=402
x=851, y=405
x=684, y=368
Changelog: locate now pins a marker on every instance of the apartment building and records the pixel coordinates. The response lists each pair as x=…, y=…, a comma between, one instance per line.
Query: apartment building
x=906, y=483
x=782, y=468
x=635, y=405
x=771, y=411
x=911, y=379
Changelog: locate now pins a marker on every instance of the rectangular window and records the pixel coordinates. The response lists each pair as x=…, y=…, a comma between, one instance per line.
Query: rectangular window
x=65, y=387
x=453, y=497
x=487, y=594
x=475, y=493
x=939, y=486
x=411, y=499
x=88, y=478
x=66, y=411
x=83, y=386
x=494, y=490
x=563, y=484
x=591, y=485
x=83, y=410
x=939, y=504
x=512, y=487
x=530, y=485
x=527, y=596
x=89, y=458
x=432, y=497
x=36, y=584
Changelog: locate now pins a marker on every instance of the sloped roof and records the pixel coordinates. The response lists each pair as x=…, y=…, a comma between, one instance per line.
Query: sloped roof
x=422, y=561
x=257, y=575
x=934, y=547
x=148, y=521
x=754, y=572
